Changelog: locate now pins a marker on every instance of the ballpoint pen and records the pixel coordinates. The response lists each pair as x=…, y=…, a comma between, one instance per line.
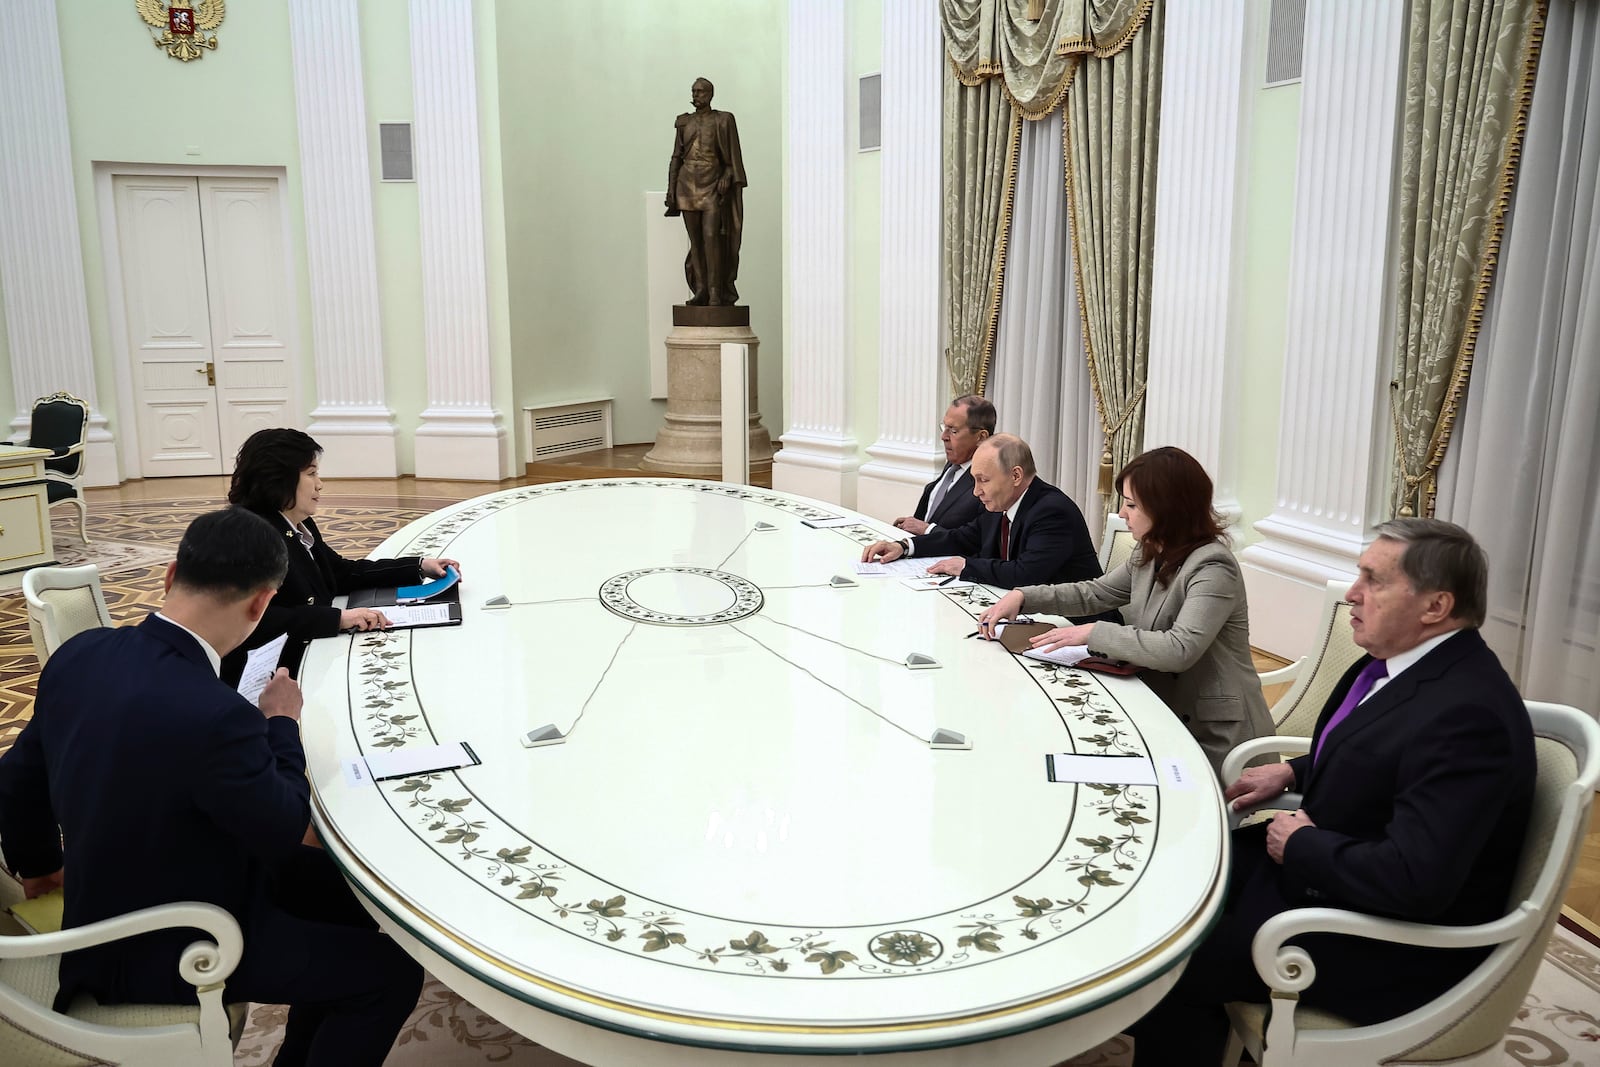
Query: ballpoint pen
x=948, y=580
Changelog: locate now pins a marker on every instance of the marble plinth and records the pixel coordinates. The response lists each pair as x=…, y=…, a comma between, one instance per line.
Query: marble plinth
x=690, y=438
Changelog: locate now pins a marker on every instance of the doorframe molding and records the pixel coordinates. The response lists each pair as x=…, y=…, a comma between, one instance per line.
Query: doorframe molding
x=130, y=461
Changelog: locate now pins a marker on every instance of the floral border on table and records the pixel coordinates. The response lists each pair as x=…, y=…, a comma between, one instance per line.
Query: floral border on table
x=1100, y=859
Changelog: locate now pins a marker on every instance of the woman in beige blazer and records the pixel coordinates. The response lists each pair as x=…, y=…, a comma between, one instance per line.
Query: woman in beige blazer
x=1182, y=600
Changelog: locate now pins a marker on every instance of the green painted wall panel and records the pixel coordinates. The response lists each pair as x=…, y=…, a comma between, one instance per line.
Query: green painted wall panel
x=588, y=94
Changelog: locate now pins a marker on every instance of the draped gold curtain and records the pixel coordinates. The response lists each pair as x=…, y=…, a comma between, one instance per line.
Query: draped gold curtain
x=1469, y=81
x=982, y=131
x=1102, y=59
x=1109, y=143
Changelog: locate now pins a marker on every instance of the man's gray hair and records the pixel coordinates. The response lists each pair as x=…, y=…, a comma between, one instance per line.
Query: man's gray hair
x=1012, y=451
x=979, y=411
x=1441, y=557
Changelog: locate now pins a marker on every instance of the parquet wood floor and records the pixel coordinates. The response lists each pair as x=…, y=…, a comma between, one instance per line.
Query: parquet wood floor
x=136, y=526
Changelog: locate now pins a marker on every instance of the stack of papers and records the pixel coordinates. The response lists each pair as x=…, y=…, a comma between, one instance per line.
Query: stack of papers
x=900, y=568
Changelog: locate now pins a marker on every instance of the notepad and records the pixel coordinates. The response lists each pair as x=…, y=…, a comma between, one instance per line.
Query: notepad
x=829, y=522
x=406, y=762
x=410, y=616
x=1102, y=770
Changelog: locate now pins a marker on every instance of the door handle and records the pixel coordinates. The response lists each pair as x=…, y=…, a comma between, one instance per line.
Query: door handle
x=210, y=371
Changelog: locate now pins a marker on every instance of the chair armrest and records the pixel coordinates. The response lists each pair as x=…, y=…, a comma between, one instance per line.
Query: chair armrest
x=1288, y=968
x=202, y=963
x=1287, y=801
x=1284, y=674
x=1233, y=763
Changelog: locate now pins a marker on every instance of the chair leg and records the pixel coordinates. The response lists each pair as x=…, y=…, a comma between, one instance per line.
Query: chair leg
x=1234, y=1052
x=83, y=518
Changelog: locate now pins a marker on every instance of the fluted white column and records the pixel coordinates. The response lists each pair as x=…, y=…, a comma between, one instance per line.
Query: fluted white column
x=352, y=419
x=1332, y=382
x=911, y=375
x=461, y=432
x=41, y=260
x=818, y=458
x=1192, y=397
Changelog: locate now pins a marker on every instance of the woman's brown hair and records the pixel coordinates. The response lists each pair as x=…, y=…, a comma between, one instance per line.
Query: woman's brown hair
x=1175, y=493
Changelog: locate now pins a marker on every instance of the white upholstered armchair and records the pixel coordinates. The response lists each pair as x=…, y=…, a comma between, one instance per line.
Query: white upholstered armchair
x=1466, y=1023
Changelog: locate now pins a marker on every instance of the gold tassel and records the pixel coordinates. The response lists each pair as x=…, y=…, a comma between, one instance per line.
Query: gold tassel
x=1106, y=487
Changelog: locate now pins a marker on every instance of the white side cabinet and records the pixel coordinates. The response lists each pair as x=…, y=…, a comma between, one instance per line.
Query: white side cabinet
x=24, y=509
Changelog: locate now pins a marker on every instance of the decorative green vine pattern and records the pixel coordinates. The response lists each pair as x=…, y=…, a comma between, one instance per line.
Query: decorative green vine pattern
x=435, y=538
x=1080, y=696
x=1088, y=874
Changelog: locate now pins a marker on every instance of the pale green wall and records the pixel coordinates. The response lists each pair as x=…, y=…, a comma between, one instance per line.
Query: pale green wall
x=588, y=94
x=1271, y=145
x=865, y=29
x=128, y=102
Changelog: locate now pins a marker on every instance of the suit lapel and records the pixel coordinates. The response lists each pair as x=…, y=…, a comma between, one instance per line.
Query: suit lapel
x=1397, y=691
x=962, y=484
x=302, y=565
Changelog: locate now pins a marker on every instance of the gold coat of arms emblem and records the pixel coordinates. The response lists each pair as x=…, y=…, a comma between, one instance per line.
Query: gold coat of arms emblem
x=185, y=26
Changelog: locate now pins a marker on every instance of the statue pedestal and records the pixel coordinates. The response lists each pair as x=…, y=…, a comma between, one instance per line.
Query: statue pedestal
x=690, y=438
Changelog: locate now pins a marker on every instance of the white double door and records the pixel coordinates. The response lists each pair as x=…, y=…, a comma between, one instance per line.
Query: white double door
x=209, y=316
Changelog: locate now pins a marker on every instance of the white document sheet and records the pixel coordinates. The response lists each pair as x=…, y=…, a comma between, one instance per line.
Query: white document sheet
x=1107, y=770
x=417, y=614
x=403, y=762
x=259, y=667
x=1066, y=655
x=832, y=522
x=937, y=581
x=916, y=567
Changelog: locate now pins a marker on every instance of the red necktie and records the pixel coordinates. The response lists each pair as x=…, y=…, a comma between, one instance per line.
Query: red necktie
x=1005, y=536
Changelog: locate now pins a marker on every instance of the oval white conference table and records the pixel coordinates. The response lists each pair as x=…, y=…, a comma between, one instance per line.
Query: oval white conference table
x=743, y=846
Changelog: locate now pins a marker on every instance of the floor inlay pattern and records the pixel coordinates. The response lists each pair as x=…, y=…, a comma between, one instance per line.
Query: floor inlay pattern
x=132, y=543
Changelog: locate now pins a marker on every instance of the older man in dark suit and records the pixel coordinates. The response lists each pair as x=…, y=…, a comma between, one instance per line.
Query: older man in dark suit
x=948, y=500
x=1416, y=796
x=1030, y=533
x=148, y=781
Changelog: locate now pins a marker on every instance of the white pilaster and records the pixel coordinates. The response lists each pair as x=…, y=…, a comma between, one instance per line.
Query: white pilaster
x=1193, y=386
x=818, y=458
x=351, y=420
x=1337, y=300
x=41, y=259
x=461, y=435
x=910, y=370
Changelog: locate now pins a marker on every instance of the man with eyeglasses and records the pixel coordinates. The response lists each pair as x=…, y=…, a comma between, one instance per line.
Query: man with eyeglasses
x=948, y=500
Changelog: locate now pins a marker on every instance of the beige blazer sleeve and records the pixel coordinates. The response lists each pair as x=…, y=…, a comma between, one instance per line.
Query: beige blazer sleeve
x=1193, y=609
x=1082, y=598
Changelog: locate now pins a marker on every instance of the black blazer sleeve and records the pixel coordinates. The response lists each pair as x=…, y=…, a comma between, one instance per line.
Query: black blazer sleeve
x=1049, y=542
x=964, y=540
x=253, y=781
x=28, y=831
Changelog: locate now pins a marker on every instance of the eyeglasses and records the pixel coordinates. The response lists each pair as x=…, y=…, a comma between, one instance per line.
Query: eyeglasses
x=950, y=431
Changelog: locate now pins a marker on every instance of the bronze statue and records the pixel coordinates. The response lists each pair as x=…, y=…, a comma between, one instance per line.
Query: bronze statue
x=705, y=184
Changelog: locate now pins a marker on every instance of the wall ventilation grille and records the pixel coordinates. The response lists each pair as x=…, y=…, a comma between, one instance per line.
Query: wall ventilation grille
x=567, y=429
x=1286, y=39
x=871, y=112
x=394, y=152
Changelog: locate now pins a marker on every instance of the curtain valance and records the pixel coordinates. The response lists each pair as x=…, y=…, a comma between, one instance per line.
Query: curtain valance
x=1033, y=46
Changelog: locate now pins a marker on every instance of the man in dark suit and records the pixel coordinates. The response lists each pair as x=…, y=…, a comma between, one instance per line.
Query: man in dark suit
x=1416, y=798
x=1029, y=534
x=150, y=781
x=948, y=500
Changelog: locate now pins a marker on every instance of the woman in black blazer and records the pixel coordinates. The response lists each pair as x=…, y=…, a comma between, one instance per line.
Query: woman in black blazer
x=275, y=476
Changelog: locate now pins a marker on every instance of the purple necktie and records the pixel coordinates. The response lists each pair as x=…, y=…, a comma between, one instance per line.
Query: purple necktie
x=1359, y=688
